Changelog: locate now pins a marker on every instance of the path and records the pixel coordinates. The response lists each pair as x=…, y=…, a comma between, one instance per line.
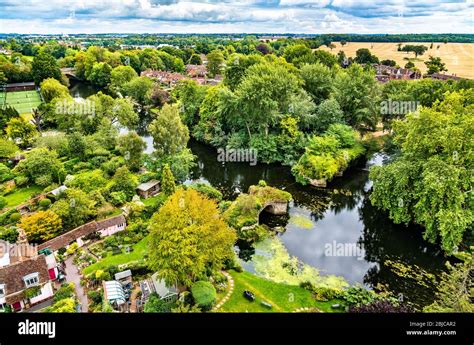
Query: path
x=228, y=294
x=73, y=276
x=133, y=299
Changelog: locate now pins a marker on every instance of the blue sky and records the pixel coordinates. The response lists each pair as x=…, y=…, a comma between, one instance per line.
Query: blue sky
x=241, y=16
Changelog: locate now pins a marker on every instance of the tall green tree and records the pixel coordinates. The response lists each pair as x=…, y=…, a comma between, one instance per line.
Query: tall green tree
x=131, y=146
x=214, y=63
x=74, y=207
x=45, y=66
x=188, y=236
x=430, y=182
x=357, y=93
x=42, y=167
x=168, y=185
x=170, y=135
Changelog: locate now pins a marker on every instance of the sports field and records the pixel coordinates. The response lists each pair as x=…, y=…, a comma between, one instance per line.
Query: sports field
x=458, y=57
x=23, y=101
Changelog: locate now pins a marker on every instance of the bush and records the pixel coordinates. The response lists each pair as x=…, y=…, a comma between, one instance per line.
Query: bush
x=156, y=305
x=3, y=202
x=118, y=198
x=358, y=295
x=21, y=180
x=65, y=291
x=9, y=234
x=44, y=203
x=15, y=217
x=204, y=294
x=207, y=190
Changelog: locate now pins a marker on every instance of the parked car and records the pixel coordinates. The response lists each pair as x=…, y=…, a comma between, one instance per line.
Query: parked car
x=249, y=295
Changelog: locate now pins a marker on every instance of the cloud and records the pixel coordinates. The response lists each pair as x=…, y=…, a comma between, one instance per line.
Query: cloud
x=297, y=16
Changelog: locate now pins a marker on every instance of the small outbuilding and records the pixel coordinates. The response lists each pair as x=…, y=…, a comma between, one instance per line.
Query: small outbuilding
x=149, y=189
x=124, y=277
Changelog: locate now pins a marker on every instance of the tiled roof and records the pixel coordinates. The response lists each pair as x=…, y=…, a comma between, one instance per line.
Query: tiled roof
x=86, y=229
x=12, y=276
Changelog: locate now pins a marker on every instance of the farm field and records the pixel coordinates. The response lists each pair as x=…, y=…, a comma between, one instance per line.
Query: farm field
x=459, y=57
x=23, y=101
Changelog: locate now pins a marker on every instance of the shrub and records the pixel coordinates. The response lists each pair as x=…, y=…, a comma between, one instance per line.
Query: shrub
x=156, y=305
x=65, y=291
x=381, y=306
x=207, y=190
x=204, y=294
x=9, y=234
x=44, y=203
x=118, y=198
x=15, y=217
x=3, y=202
x=358, y=295
x=21, y=180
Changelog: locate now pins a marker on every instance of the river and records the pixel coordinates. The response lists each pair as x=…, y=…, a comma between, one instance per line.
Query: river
x=338, y=214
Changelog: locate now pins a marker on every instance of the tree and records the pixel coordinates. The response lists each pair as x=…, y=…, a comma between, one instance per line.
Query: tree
x=42, y=166
x=21, y=131
x=167, y=181
x=263, y=48
x=51, y=88
x=100, y=74
x=124, y=181
x=154, y=304
x=429, y=183
x=214, y=63
x=454, y=290
x=357, y=92
x=326, y=58
x=121, y=75
x=88, y=181
x=188, y=236
x=388, y=62
x=77, y=145
x=409, y=65
x=6, y=114
x=7, y=148
x=44, y=66
x=204, y=294
x=318, y=81
x=195, y=59
x=190, y=96
x=363, y=56
x=170, y=135
x=435, y=65
x=41, y=226
x=131, y=146
x=138, y=88
x=327, y=113
x=74, y=207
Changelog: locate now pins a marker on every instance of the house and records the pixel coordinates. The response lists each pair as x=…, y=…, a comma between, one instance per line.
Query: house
x=195, y=71
x=168, y=78
x=385, y=73
x=124, y=277
x=443, y=76
x=104, y=228
x=25, y=276
x=148, y=189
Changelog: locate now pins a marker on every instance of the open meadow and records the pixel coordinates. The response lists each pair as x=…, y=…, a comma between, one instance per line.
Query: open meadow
x=459, y=57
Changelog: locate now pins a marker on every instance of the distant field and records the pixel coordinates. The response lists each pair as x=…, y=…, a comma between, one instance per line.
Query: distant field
x=459, y=57
x=23, y=101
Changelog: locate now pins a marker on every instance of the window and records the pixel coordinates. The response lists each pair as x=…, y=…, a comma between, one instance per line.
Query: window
x=31, y=279
x=2, y=290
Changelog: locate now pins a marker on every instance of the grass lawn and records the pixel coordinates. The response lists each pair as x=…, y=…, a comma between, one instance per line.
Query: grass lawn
x=23, y=101
x=21, y=195
x=283, y=298
x=139, y=251
x=150, y=201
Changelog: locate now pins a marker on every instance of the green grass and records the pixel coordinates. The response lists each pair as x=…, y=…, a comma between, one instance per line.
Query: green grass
x=151, y=201
x=23, y=101
x=139, y=251
x=21, y=195
x=283, y=298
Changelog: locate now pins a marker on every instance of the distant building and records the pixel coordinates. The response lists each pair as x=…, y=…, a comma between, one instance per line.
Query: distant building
x=196, y=71
x=443, y=76
x=104, y=228
x=168, y=78
x=148, y=189
x=27, y=86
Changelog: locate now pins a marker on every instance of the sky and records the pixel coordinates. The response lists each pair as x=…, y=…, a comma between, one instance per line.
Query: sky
x=240, y=16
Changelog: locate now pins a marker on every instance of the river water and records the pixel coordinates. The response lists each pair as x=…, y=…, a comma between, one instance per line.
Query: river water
x=339, y=214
